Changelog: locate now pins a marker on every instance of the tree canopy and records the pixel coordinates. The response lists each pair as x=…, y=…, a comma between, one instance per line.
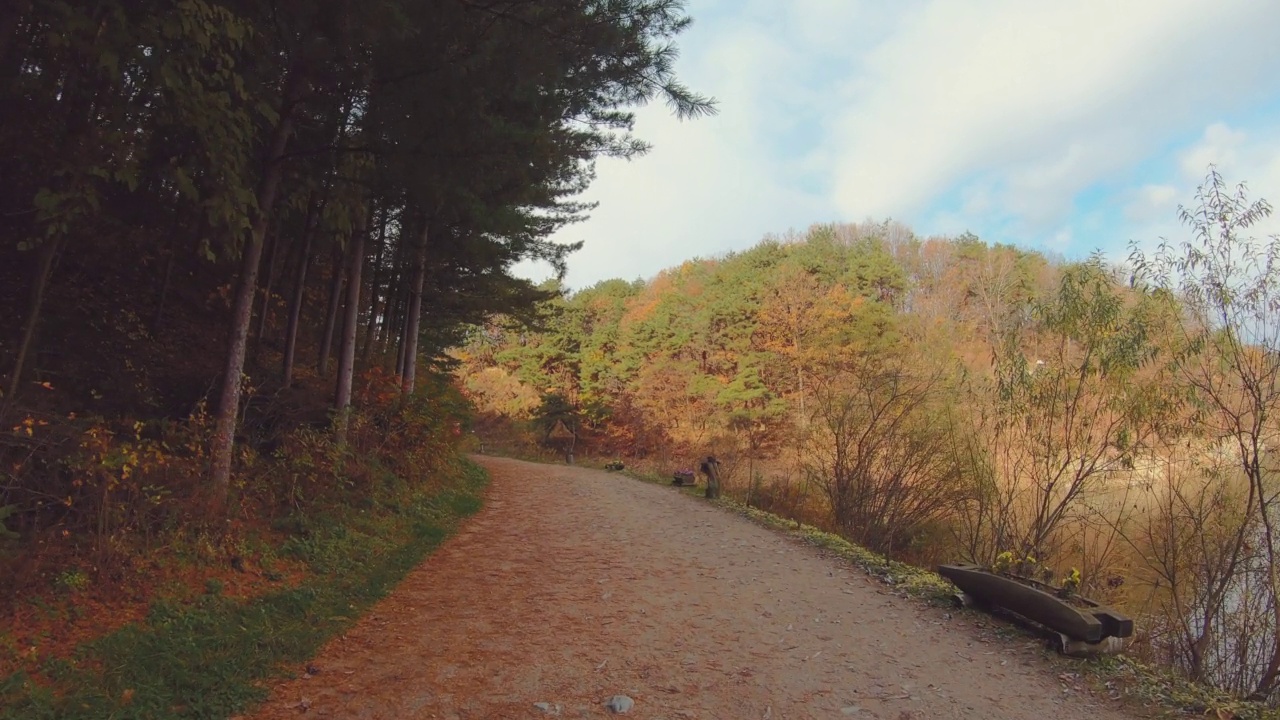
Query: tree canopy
x=192, y=164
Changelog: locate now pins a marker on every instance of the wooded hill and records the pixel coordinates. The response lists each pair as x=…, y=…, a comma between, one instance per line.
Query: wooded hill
x=942, y=398
x=735, y=342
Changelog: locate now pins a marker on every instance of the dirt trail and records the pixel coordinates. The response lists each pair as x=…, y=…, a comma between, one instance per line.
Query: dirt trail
x=573, y=585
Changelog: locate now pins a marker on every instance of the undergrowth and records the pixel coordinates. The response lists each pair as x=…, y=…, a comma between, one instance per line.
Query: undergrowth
x=1175, y=696
x=209, y=657
x=910, y=579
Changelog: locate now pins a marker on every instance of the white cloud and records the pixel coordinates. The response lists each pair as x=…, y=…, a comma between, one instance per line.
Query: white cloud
x=1037, y=99
x=1152, y=203
x=1220, y=145
x=1061, y=240
x=661, y=209
x=949, y=114
x=713, y=184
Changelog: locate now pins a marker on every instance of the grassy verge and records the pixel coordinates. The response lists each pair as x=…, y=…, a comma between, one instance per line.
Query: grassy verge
x=1156, y=689
x=909, y=579
x=211, y=657
x=1169, y=694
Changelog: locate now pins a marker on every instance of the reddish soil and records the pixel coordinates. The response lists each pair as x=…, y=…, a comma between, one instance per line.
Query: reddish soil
x=42, y=623
x=573, y=585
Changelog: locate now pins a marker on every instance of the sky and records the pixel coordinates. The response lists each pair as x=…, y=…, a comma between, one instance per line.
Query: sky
x=1066, y=126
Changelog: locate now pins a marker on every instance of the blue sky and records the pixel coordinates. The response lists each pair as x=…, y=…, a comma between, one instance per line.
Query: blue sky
x=1065, y=125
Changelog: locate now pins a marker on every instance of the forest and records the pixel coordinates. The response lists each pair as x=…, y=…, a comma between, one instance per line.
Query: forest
x=258, y=291
x=236, y=239
x=1107, y=424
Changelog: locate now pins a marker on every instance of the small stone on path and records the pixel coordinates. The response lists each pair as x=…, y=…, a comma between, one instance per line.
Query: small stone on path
x=620, y=704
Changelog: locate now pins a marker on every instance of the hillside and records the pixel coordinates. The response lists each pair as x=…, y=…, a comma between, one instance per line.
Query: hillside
x=943, y=399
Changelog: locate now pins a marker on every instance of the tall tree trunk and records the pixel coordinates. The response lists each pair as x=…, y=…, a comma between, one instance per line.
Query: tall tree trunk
x=393, y=330
x=299, y=292
x=40, y=282
x=347, y=353
x=223, y=445
x=402, y=342
x=377, y=307
x=277, y=241
x=331, y=314
x=391, y=315
x=335, y=283
x=393, y=326
x=414, y=316
x=375, y=295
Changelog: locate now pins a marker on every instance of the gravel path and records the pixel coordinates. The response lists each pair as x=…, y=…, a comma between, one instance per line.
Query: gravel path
x=575, y=585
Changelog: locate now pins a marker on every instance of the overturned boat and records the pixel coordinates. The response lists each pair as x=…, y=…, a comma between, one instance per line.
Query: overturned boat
x=1075, y=617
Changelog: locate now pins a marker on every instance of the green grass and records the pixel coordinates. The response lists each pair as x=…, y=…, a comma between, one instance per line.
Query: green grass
x=1172, y=695
x=210, y=658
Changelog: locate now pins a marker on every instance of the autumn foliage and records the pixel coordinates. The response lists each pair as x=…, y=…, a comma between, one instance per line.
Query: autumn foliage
x=941, y=398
